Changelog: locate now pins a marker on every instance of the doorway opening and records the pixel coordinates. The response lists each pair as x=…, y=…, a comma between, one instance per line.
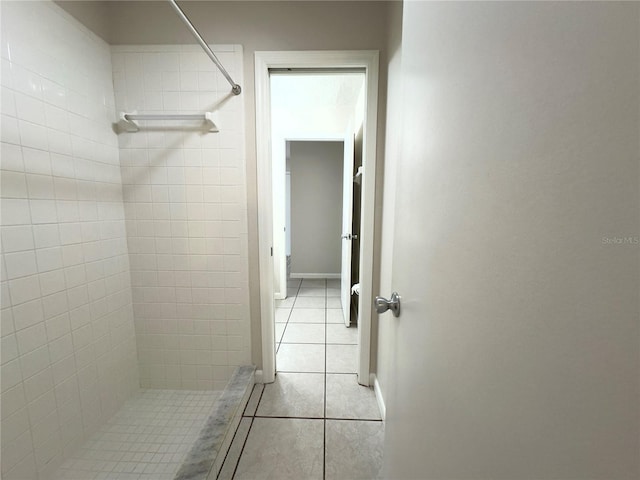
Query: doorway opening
x=316, y=120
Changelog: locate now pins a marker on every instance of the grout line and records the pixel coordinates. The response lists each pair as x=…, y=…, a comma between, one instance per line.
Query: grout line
x=259, y=400
x=317, y=343
x=288, y=318
x=244, y=444
x=231, y=444
x=284, y=417
x=253, y=417
x=375, y=420
x=250, y=395
x=324, y=422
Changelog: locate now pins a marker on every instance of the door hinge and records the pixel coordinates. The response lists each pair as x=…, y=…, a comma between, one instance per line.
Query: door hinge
x=272, y=251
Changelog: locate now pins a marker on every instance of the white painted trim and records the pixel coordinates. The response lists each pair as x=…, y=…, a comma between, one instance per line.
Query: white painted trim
x=315, y=276
x=368, y=60
x=257, y=377
x=265, y=219
x=379, y=396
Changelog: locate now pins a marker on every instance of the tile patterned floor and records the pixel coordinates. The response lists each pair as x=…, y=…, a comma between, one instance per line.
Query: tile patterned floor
x=146, y=440
x=314, y=421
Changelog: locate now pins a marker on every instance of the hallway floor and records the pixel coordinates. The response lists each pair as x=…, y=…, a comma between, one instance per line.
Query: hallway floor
x=314, y=421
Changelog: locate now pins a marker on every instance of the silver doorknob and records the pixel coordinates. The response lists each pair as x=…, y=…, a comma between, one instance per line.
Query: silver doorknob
x=382, y=304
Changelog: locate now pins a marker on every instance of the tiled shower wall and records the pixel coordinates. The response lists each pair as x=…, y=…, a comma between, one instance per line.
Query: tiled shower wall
x=185, y=203
x=68, y=346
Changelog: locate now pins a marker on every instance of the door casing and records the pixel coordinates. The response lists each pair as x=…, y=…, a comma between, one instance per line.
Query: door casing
x=335, y=60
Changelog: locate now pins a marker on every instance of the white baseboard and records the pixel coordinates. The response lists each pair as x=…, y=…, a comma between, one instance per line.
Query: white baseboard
x=279, y=296
x=315, y=276
x=258, y=376
x=379, y=397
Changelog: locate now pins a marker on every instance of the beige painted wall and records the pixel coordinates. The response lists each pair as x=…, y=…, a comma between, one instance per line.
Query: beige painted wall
x=316, y=206
x=94, y=15
x=381, y=326
x=258, y=26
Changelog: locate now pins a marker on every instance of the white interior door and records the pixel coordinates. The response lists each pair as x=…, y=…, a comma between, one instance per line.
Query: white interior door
x=279, y=207
x=347, y=215
x=516, y=352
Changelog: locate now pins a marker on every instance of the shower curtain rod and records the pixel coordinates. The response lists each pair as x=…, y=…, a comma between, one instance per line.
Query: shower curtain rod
x=235, y=88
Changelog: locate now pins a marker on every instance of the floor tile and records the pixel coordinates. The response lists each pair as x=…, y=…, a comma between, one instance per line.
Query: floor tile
x=342, y=358
x=294, y=395
x=310, y=302
x=312, y=292
x=335, y=315
x=347, y=399
x=282, y=448
x=252, y=403
x=282, y=315
x=353, y=449
x=338, y=333
x=304, y=333
x=298, y=357
x=307, y=315
x=279, y=331
x=333, y=302
x=287, y=302
x=293, y=282
x=235, y=450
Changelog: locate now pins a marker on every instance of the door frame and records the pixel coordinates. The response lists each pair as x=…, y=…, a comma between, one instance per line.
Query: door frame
x=367, y=60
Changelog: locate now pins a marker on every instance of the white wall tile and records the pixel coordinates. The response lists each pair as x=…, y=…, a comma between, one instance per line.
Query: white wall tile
x=13, y=185
x=15, y=455
x=30, y=109
x=28, y=314
x=11, y=157
x=34, y=361
x=36, y=161
x=46, y=235
x=174, y=207
x=12, y=401
x=24, y=289
x=9, y=129
x=15, y=212
x=43, y=211
x=63, y=215
x=20, y=264
x=52, y=282
x=8, y=348
x=31, y=338
x=49, y=259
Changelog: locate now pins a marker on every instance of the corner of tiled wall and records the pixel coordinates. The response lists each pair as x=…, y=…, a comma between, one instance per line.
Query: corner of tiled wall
x=68, y=339
x=124, y=258
x=185, y=204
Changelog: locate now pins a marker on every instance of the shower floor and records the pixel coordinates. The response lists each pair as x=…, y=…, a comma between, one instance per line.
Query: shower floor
x=148, y=438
